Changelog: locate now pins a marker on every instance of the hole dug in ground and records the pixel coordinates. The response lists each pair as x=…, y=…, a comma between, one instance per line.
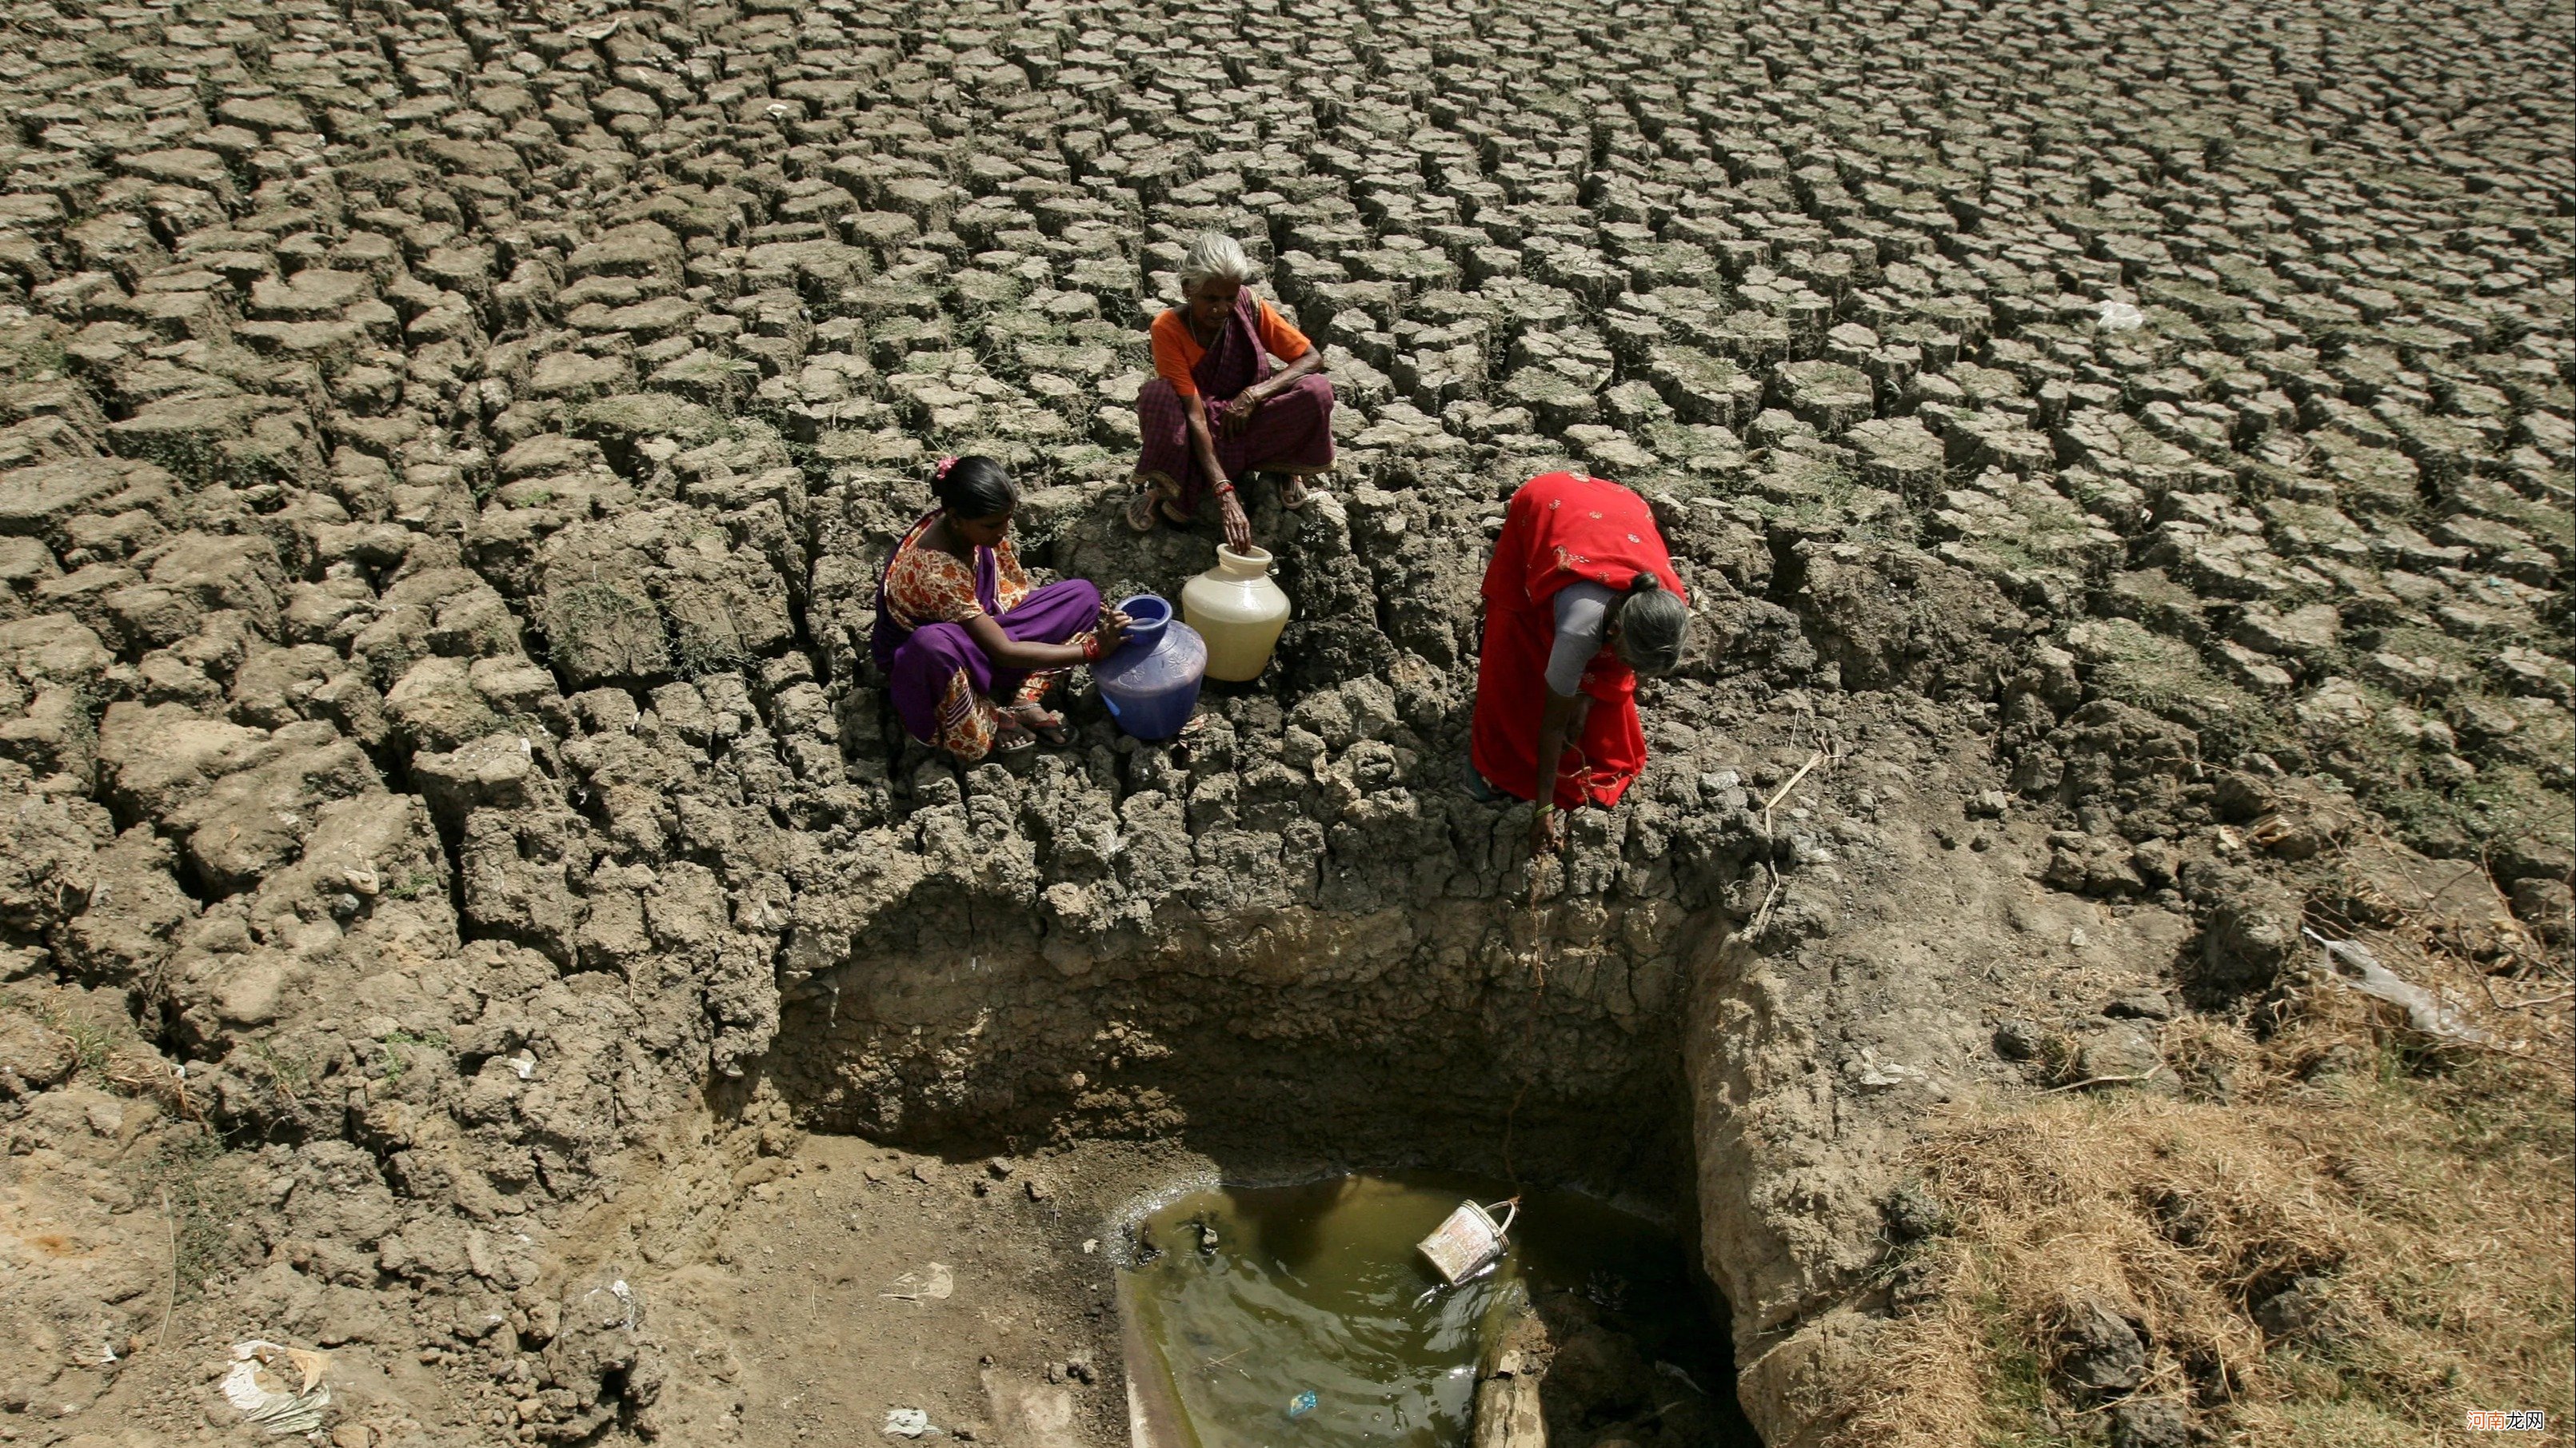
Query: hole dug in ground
x=959, y=1222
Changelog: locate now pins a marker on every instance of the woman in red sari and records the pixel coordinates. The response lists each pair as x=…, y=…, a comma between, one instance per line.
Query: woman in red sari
x=1580, y=599
x=1216, y=409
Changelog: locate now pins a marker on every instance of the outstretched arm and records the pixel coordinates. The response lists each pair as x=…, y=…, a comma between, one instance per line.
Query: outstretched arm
x=1007, y=652
x=1203, y=440
x=1560, y=717
x=1238, y=527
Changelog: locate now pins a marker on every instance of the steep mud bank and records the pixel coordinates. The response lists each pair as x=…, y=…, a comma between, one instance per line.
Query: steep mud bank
x=1320, y=1029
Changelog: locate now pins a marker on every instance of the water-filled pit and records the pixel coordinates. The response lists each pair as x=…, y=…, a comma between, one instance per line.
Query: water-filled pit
x=1536, y=1045
x=1303, y=1314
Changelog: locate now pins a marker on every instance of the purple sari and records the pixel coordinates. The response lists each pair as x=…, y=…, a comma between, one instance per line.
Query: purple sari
x=922, y=665
x=1291, y=433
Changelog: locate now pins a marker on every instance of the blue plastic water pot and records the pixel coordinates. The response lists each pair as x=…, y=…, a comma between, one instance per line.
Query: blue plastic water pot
x=1152, y=682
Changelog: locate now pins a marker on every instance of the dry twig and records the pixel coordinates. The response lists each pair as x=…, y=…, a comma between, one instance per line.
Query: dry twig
x=170, y=1301
x=2535, y=1001
x=1782, y=792
x=1770, y=897
x=2098, y=1081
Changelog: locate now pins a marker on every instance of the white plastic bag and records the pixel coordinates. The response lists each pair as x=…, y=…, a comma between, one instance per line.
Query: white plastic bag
x=279, y=1388
x=2120, y=317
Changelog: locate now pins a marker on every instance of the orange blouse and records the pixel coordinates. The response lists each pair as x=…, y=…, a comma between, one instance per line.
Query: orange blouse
x=1176, y=352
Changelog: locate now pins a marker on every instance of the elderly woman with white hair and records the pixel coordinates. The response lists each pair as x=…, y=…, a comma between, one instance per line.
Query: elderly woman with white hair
x=1218, y=407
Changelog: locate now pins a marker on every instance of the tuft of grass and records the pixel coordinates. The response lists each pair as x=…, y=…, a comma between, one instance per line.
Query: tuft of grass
x=32, y=352
x=2018, y=1397
x=393, y=1058
x=2504, y=803
x=2429, y=1189
x=93, y=1048
x=413, y=885
x=1817, y=495
x=2167, y=677
x=90, y=1047
x=198, y=1178
x=289, y=1076
x=708, y=642
x=596, y=617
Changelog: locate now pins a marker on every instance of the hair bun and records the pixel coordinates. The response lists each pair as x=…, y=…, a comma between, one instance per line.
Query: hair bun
x=973, y=486
x=1645, y=581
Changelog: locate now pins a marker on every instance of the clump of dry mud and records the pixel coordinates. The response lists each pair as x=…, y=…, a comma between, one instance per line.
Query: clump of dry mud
x=2119, y=463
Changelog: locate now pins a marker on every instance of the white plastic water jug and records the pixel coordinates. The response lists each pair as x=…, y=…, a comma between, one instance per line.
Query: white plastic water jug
x=1239, y=611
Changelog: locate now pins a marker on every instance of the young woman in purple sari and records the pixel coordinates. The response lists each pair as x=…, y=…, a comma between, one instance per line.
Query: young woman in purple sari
x=969, y=646
x=1216, y=409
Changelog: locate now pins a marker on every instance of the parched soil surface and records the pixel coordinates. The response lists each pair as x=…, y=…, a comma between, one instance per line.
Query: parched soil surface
x=463, y=882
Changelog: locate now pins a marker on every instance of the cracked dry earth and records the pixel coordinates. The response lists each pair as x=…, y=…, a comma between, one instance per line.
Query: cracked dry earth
x=469, y=907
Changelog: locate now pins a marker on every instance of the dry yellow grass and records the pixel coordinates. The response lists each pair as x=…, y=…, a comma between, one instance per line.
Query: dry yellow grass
x=2435, y=1193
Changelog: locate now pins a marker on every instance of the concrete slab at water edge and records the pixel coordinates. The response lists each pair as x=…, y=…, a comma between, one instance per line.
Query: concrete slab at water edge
x=1035, y=1413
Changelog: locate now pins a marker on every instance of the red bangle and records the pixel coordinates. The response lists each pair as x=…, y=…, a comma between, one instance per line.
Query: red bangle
x=1091, y=649
x=1224, y=488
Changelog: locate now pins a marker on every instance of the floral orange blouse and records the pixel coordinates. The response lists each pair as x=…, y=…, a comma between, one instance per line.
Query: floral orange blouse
x=924, y=586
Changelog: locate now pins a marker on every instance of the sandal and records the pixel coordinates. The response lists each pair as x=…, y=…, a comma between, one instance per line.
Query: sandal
x=1295, y=493
x=1013, y=751
x=1154, y=503
x=1141, y=510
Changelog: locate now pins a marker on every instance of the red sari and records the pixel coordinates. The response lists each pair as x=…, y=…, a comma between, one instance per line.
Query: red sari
x=1562, y=527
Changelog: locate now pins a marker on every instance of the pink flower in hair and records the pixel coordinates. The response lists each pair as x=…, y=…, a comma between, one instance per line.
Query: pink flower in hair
x=939, y=473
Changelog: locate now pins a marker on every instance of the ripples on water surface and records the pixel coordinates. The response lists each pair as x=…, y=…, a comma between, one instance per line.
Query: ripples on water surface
x=1317, y=1289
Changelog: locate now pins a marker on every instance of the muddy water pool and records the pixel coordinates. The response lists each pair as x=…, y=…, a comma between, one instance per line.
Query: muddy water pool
x=1302, y=1315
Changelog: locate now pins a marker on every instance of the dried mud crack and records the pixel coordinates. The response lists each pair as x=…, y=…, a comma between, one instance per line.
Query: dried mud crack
x=469, y=906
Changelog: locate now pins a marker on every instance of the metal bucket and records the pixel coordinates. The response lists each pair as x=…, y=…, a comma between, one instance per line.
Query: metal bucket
x=1469, y=1241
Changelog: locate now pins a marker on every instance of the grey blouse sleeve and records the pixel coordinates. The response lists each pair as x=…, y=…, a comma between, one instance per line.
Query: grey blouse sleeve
x=1582, y=622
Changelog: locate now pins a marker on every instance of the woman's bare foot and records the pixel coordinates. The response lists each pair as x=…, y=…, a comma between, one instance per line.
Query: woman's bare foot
x=1011, y=738
x=1043, y=723
x=1295, y=492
